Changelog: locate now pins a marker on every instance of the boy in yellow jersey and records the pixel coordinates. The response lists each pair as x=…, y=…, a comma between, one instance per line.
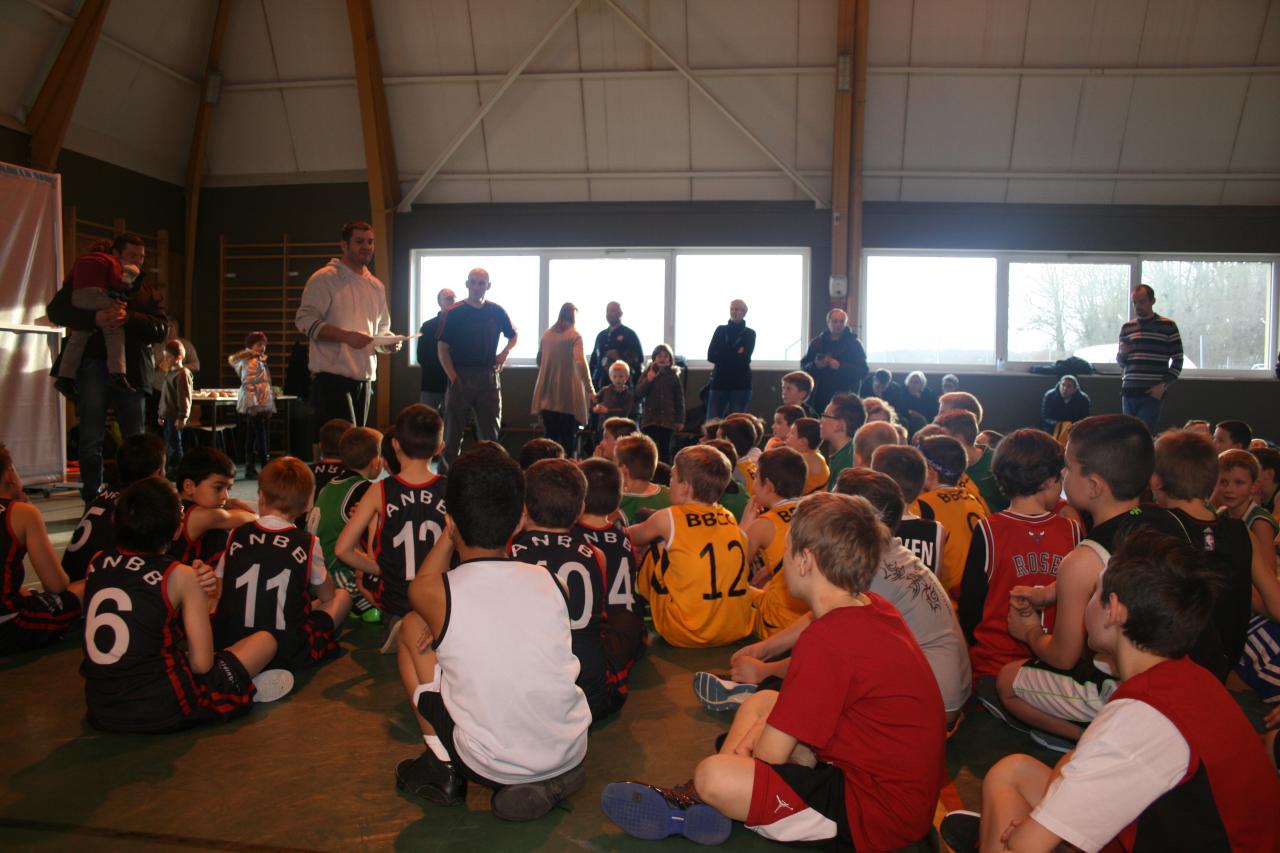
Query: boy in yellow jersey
x=962, y=425
x=782, y=474
x=697, y=588
x=739, y=431
x=947, y=503
x=805, y=436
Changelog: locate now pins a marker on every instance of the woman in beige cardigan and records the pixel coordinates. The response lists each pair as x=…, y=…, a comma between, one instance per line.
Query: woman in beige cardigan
x=563, y=389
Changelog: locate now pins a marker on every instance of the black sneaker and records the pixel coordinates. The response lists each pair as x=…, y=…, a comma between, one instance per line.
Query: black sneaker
x=962, y=830
x=432, y=779
x=118, y=382
x=652, y=813
x=532, y=800
x=66, y=386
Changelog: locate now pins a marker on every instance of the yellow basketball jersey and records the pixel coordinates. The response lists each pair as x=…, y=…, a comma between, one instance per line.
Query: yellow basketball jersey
x=958, y=512
x=775, y=607
x=747, y=471
x=817, y=481
x=966, y=482
x=699, y=585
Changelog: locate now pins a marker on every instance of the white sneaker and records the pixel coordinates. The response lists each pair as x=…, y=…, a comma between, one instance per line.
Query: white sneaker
x=272, y=684
x=718, y=694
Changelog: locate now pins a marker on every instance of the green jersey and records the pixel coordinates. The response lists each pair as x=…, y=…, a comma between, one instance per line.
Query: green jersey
x=735, y=499
x=632, y=504
x=837, y=462
x=982, y=476
x=333, y=508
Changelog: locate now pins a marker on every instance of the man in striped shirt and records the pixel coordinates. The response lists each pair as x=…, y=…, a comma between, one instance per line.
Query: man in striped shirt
x=1151, y=355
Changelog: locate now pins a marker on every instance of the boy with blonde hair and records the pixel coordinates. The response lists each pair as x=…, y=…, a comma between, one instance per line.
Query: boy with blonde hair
x=869, y=438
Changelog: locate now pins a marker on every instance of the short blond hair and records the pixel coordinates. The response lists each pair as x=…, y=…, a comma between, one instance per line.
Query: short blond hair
x=287, y=484
x=871, y=436
x=845, y=536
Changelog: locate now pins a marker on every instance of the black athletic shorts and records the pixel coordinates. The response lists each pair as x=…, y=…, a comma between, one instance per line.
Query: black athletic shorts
x=39, y=620
x=315, y=640
x=431, y=706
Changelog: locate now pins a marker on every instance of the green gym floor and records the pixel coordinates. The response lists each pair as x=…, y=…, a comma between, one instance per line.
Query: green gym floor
x=314, y=771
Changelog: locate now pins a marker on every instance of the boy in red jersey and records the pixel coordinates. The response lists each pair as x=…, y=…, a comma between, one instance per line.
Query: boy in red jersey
x=851, y=749
x=1171, y=762
x=1020, y=546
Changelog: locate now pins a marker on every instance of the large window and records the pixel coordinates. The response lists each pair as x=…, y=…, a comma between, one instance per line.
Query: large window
x=677, y=296
x=931, y=310
x=983, y=308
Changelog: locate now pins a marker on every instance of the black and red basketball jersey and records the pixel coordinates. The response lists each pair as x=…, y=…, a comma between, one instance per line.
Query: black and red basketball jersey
x=614, y=544
x=578, y=565
x=324, y=472
x=95, y=532
x=207, y=548
x=13, y=570
x=922, y=537
x=410, y=520
x=265, y=578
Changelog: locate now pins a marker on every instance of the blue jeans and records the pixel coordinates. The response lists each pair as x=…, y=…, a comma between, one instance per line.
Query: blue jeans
x=1145, y=408
x=173, y=444
x=95, y=395
x=721, y=402
x=256, y=444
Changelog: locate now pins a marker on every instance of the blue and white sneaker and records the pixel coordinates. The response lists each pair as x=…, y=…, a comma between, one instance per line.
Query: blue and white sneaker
x=718, y=694
x=652, y=813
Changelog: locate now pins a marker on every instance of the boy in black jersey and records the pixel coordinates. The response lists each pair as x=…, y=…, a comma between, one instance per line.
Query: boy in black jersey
x=272, y=575
x=140, y=455
x=330, y=464
x=204, y=479
x=140, y=607
x=905, y=465
x=29, y=620
x=555, y=491
x=401, y=517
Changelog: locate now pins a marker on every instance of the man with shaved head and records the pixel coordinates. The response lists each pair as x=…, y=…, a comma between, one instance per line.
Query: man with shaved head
x=835, y=360
x=614, y=343
x=435, y=382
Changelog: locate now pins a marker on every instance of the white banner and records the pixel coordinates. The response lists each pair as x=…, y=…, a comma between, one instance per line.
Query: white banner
x=32, y=416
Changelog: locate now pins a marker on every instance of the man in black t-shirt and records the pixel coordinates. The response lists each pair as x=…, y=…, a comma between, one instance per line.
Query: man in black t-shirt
x=466, y=340
x=434, y=381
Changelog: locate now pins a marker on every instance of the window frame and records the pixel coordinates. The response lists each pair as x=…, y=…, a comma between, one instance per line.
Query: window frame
x=668, y=253
x=1131, y=259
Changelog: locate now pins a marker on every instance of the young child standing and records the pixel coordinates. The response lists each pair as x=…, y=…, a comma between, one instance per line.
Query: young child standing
x=272, y=575
x=804, y=438
x=256, y=399
x=29, y=620
x=407, y=514
x=100, y=279
x=140, y=606
x=697, y=585
x=1021, y=546
x=851, y=750
x=480, y=636
x=662, y=391
x=616, y=400
x=175, y=400
x=359, y=451
x=204, y=480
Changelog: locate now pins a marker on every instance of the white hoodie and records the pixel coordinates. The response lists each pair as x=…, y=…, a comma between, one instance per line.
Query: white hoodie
x=336, y=296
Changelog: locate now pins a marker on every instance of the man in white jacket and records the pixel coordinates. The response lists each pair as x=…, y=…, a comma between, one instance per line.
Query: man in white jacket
x=343, y=307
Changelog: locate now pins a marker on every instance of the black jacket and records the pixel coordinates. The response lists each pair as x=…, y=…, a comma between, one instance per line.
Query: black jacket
x=624, y=344
x=829, y=381
x=434, y=379
x=1054, y=408
x=730, y=351
x=144, y=325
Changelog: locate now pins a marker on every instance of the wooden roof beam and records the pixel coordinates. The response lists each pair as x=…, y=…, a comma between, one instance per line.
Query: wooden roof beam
x=852, y=21
x=50, y=115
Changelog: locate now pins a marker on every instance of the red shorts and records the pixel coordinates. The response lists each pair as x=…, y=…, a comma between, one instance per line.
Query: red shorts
x=795, y=804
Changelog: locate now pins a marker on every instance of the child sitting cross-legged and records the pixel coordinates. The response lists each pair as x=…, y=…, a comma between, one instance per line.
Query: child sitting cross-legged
x=272, y=575
x=486, y=656
x=359, y=451
x=850, y=750
x=204, y=479
x=637, y=458
x=1170, y=762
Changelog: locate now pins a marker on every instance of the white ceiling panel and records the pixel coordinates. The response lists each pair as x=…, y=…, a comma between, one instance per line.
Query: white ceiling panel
x=179, y=38
x=537, y=126
x=953, y=189
x=606, y=41
x=1099, y=130
x=815, y=118
x=310, y=39
x=1094, y=33
x=29, y=41
x=732, y=33
x=1251, y=192
x=890, y=32
x=816, y=39
x=523, y=191
x=1160, y=136
x=765, y=105
x=1167, y=192
x=1257, y=141
x=249, y=135
x=881, y=189
x=423, y=37
x=886, y=121
x=453, y=192
x=144, y=159
x=1203, y=32
x=425, y=118
x=636, y=124
x=325, y=124
x=1269, y=43
x=960, y=122
x=247, y=55
x=1045, y=130
x=968, y=32
x=504, y=31
x=1028, y=191
x=659, y=189
x=744, y=189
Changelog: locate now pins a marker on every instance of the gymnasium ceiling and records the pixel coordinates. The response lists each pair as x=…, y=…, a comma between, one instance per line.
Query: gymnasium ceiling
x=1056, y=101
